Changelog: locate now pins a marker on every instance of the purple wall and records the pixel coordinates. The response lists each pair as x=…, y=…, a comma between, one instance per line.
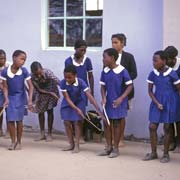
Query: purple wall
x=140, y=20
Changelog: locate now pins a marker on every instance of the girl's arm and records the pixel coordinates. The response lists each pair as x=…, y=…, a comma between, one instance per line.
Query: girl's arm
x=44, y=91
x=91, y=82
x=151, y=94
x=119, y=100
x=5, y=90
x=103, y=94
x=69, y=101
x=30, y=92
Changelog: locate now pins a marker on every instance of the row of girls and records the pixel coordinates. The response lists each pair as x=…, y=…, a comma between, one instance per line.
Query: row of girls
x=78, y=86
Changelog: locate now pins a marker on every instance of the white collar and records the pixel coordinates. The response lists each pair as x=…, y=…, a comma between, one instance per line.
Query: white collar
x=118, y=61
x=176, y=66
x=77, y=64
x=10, y=74
x=167, y=72
x=116, y=70
x=76, y=83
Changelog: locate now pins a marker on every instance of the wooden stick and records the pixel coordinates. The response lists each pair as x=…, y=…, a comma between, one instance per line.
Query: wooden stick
x=106, y=115
x=88, y=120
x=2, y=111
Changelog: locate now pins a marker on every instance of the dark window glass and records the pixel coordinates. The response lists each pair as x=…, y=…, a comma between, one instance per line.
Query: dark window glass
x=56, y=8
x=74, y=7
x=56, y=33
x=74, y=31
x=94, y=32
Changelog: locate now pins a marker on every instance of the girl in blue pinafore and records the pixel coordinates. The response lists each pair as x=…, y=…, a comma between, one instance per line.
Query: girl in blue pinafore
x=83, y=64
x=174, y=62
x=3, y=64
x=163, y=107
x=116, y=84
x=83, y=67
x=73, y=105
x=15, y=96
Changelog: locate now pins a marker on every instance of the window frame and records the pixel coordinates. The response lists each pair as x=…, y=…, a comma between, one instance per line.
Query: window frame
x=45, y=27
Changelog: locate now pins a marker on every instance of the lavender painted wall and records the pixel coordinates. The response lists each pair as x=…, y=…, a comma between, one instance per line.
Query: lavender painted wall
x=140, y=20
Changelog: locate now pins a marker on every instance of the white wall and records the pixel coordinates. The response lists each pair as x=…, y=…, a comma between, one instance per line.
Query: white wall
x=140, y=20
x=171, y=23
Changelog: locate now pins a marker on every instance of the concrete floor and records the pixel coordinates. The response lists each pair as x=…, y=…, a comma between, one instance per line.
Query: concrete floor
x=45, y=161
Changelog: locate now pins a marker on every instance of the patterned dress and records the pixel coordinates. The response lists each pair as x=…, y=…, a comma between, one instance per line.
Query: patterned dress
x=48, y=82
x=115, y=81
x=75, y=93
x=16, y=92
x=166, y=95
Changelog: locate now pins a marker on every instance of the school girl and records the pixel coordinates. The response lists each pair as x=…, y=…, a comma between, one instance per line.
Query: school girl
x=116, y=84
x=15, y=96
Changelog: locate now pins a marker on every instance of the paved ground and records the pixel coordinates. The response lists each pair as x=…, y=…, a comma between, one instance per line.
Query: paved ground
x=46, y=161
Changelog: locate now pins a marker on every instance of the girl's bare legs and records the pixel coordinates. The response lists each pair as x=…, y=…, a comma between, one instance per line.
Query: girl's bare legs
x=177, y=150
x=122, y=129
x=12, y=132
x=167, y=138
x=77, y=126
x=172, y=145
x=19, y=134
x=1, y=121
x=153, y=137
x=69, y=132
x=108, y=136
x=41, y=124
x=116, y=127
x=50, y=124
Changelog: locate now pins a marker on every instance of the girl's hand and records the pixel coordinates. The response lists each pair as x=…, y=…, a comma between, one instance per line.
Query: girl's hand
x=103, y=102
x=54, y=95
x=160, y=106
x=102, y=116
x=6, y=103
x=30, y=106
x=80, y=112
x=117, y=102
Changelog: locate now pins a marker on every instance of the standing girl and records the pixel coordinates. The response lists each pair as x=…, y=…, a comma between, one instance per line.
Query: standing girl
x=73, y=105
x=82, y=63
x=83, y=67
x=15, y=96
x=127, y=60
x=116, y=84
x=174, y=62
x=164, y=105
x=46, y=95
x=3, y=64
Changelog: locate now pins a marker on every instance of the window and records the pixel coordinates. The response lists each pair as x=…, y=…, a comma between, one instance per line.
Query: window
x=68, y=20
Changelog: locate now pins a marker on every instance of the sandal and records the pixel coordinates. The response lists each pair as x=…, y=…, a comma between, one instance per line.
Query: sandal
x=76, y=149
x=69, y=148
x=17, y=146
x=165, y=158
x=114, y=153
x=150, y=156
x=12, y=146
x=105, y=152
